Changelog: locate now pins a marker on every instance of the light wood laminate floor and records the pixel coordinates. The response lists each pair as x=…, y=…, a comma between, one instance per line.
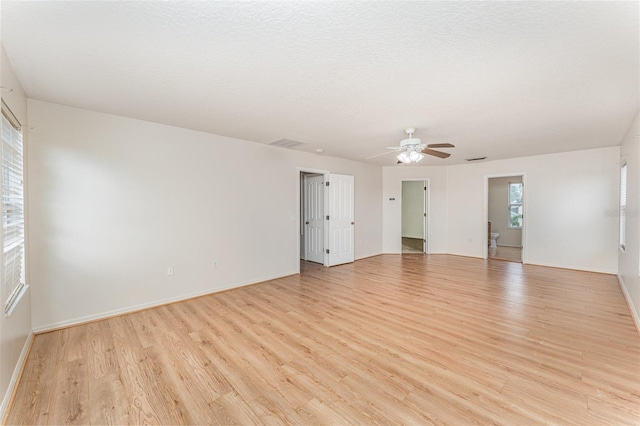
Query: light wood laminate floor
x=511, y=254
x=412, y=246
x=387, y=340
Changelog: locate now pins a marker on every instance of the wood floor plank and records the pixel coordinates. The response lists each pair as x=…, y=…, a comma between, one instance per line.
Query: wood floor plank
x=418, y=339
x=71, y=393
x=38, y=377
x=106, y=396
x=101, y=351
x=140, y=397
x=76, y=347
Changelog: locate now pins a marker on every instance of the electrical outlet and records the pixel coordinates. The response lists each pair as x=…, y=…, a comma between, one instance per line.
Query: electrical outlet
x=214, y=264
x=170, y=270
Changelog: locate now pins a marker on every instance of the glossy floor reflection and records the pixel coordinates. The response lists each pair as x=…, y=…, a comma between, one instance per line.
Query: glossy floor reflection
x=511, y=254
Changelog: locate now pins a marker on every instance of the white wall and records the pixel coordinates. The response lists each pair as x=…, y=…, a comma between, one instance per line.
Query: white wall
x=568, y=196
x=15, y=330
x=629, y=260
x=499, y=211
x=115, y=201
x=392, y=210
x=413, y=195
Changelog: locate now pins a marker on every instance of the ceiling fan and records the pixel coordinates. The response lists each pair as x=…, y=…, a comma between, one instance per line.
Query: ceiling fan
x=412, y=150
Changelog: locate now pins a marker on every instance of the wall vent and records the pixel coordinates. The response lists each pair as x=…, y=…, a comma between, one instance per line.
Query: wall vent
x=476, y=159
x=286, y=143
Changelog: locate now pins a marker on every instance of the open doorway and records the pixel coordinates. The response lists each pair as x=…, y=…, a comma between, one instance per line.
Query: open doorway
x=414, y=216
x=505, y=218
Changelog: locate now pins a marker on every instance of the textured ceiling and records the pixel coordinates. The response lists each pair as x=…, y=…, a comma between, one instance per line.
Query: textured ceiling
x=497, y=79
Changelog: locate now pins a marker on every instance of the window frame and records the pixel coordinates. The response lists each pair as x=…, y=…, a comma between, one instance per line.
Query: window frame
x=622, y=236
x=510, y=205
x=14, y=284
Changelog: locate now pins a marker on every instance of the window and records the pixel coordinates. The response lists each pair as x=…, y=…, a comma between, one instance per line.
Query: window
x=623, y=205
x=515, y=205
x=12, y=211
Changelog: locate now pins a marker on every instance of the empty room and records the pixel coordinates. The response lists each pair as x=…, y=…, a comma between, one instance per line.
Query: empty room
x=327, y=212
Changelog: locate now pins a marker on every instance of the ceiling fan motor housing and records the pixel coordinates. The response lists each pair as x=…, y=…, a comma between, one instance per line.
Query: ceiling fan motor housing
x=413, y=144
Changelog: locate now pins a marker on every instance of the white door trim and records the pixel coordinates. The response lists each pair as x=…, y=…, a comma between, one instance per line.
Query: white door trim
x=485, y=231
x=300, y=170
x=427, y=224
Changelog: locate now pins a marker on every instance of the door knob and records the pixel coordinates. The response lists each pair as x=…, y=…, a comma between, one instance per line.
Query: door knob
x=306, y=223
x=353, y=223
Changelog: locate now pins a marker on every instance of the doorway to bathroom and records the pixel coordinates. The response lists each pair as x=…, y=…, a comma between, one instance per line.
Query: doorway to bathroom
x=505, y=217
x=415, y=202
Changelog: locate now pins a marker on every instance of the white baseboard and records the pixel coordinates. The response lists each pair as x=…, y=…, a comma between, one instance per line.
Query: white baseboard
x=367, y=256
x=129, y=309
x=575, y=268
x=14, y=378
x=400, y=252
x=632, y=308
x=509, y=245
x=528, y=262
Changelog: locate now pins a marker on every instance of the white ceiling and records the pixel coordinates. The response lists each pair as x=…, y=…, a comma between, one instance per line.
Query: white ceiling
x=497, y=79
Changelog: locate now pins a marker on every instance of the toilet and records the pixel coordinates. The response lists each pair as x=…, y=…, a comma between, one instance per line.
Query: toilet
x=494, y=240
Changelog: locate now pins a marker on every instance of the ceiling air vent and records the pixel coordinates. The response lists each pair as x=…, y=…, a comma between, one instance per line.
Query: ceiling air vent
x=476, y=159
x=286, y=143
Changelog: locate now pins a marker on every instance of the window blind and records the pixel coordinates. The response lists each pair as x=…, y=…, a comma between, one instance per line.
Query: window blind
x=623, y=206
x=12, y=212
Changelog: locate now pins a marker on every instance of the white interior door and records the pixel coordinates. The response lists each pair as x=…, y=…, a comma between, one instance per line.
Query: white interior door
x=314, y=218
x=341, y=219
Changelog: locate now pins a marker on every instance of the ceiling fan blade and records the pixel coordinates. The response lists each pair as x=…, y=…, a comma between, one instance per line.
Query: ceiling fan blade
x=436, y=153
x=378, y=155
x=440, y=145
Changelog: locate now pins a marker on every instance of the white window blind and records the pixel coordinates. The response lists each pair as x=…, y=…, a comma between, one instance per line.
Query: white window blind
x=12, y=211
x=623, y=205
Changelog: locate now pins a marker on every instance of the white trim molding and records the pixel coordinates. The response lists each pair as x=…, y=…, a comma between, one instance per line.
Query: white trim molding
x=574, y=268
x=15, y=377
x=627, y=298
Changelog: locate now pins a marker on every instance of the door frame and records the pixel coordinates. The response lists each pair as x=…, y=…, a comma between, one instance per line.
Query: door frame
x=299, y=199
x=427, y=222
x=525, y=203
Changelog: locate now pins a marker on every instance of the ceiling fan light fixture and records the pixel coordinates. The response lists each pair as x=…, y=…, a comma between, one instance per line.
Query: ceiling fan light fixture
x=415, y=156
x=404, y=157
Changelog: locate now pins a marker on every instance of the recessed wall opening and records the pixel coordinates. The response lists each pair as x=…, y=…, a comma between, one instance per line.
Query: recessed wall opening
x=505, y=218
x=415, y=202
